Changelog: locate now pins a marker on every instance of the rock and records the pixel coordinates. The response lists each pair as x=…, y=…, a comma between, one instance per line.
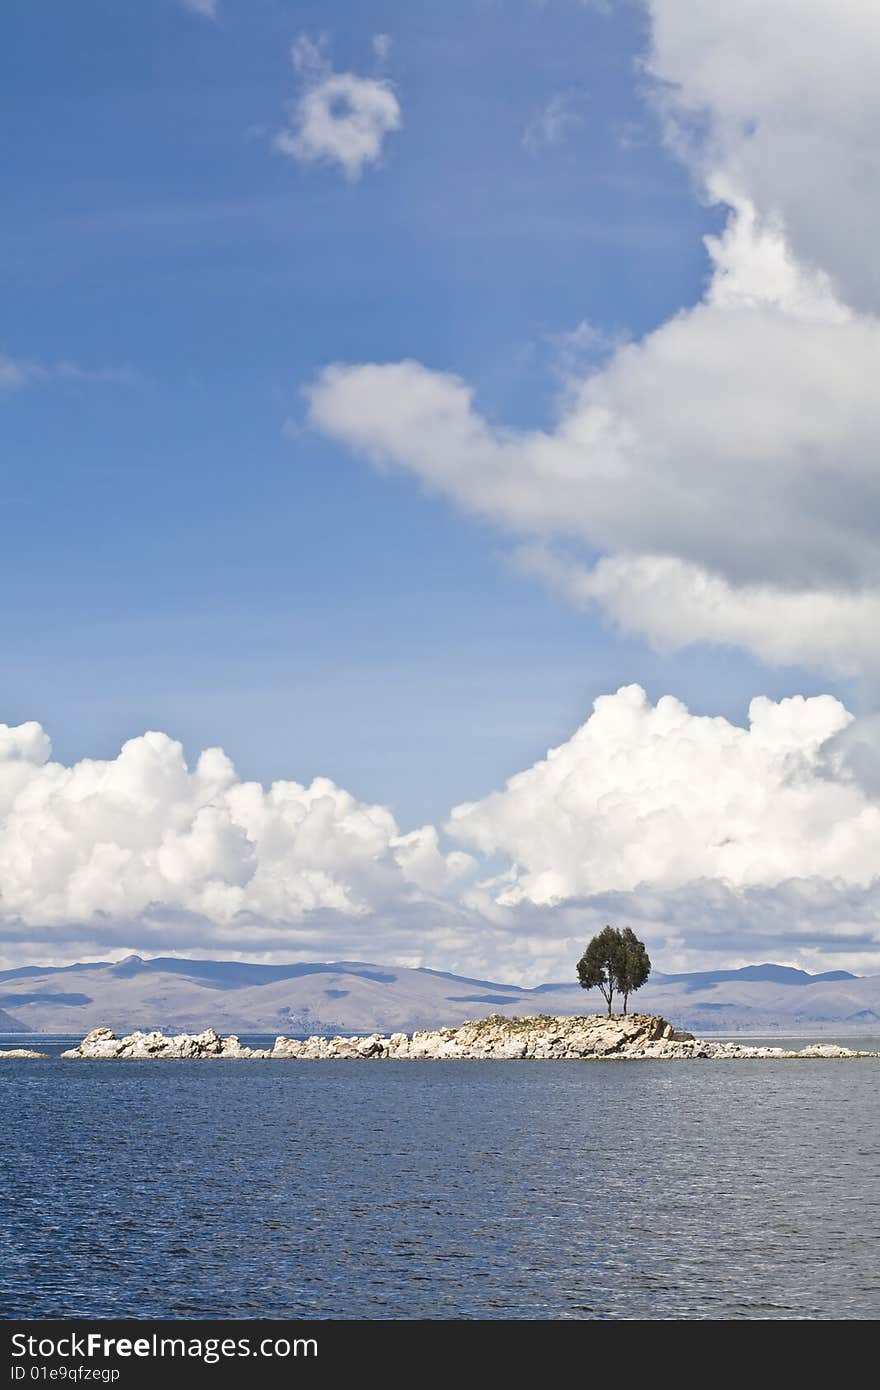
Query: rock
x=18, y=1054
x=103, y=1044
x=596, y=1037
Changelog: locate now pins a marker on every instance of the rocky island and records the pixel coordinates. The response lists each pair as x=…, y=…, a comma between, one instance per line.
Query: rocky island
x=627, y=1037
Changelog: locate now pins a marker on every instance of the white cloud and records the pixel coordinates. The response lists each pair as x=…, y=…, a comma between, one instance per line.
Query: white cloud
x=339, y=117
x=654, y=796
x=716, y=842
x=755, y=842
x=117, y=838
x=782, y=98
x=709, y=440
x=208, y=9
x=674, y=605
x=552, y=123
x=716, y=481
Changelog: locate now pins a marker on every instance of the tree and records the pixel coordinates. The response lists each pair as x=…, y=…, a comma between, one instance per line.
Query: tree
x=603, y=963
x=615, y=962
x=637, y=965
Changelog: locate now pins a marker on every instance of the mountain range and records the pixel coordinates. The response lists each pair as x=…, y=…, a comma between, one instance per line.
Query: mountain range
x=356, y=996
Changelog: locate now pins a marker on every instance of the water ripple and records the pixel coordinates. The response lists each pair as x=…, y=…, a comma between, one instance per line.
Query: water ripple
x=442, y=1190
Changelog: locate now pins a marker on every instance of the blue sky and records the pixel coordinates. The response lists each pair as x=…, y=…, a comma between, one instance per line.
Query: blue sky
x=204, y=534
x=170, y=559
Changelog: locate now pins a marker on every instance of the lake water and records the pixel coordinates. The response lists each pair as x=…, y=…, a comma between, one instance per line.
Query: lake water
x=440, y=1189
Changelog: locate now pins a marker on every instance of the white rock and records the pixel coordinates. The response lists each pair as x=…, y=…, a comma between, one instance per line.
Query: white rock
x=626, y=1038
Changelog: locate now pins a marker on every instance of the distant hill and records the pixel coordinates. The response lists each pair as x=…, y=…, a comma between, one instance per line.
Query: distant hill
x=769, y=974
x=8, y=1024
x=359, y=996
x=766, y=974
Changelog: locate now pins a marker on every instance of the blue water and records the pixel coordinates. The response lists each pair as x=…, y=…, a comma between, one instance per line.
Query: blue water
x=440, y=1189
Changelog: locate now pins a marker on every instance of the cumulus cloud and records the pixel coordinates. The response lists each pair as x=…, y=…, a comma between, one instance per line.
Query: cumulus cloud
x=653, y=795
x=726, y=462
x=715, y=841
x=115, y=839
x=707, y=836
x=339, y=117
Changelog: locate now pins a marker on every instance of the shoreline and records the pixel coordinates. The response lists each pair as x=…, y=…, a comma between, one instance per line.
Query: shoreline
x=596, y=1037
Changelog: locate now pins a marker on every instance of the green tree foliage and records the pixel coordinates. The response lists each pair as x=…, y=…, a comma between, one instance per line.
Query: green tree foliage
x=637, y=965
x=602, y=964
x=615, y=962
